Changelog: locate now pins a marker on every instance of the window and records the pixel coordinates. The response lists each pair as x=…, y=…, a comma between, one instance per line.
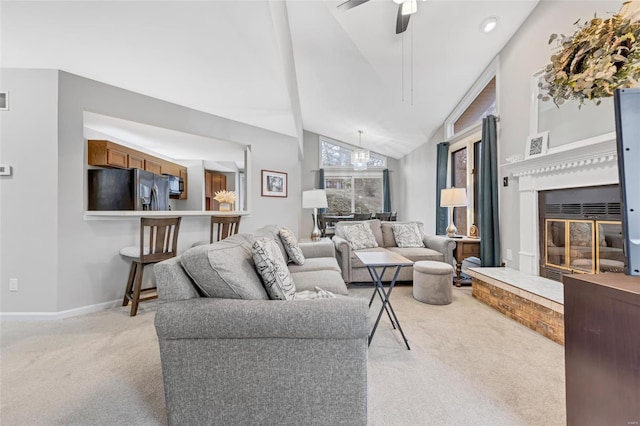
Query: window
x=358, y=193
x=481, y=100
x=459, y=180
x=334, y=154
x=483, y=105
x=463, y=128
x=465, y=162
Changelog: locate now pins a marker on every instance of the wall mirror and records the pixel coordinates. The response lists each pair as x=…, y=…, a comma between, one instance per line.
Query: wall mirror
x=198, y=153
x=568, y=123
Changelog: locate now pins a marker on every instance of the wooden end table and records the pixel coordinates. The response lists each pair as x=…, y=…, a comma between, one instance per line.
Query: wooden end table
x=465, y=247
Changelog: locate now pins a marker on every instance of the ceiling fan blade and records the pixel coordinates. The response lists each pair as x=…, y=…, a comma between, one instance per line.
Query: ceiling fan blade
x=349, y=4
x=402, y=21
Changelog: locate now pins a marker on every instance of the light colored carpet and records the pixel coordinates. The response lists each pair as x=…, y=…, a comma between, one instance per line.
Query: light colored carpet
x=468, y=365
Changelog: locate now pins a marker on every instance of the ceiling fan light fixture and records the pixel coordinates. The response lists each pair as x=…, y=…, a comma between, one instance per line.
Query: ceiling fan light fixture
x=489, y=24
x=409, y=7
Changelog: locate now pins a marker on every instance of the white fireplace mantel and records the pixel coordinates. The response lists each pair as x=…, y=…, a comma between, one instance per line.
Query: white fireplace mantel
x=591, y=162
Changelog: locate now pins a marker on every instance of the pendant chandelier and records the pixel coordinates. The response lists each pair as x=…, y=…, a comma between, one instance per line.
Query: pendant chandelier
x=360, y=157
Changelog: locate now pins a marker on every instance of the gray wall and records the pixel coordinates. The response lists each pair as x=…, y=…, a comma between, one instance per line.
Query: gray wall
x=524, y=54
x=418, y=179
x=29, y=214
x=64, y=261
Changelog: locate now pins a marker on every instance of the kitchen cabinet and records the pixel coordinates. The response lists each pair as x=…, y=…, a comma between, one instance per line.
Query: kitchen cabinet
x=153, y=166
x=117, y=158
x=184, y=177
x=110, y=154
x=136, y=162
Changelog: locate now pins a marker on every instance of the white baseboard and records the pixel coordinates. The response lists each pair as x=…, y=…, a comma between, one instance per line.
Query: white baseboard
x=48, y=316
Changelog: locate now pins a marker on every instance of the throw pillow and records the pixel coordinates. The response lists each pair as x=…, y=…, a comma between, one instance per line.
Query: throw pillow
x=225, y=269
x=272, y=267
x=407, y=235
x=290, y=244
x=359, y=236
x=312, y=295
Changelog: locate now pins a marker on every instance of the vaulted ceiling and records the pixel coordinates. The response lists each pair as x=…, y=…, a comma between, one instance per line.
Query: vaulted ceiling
x=339, y=71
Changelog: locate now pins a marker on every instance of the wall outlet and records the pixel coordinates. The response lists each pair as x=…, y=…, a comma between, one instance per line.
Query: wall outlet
x=13, y=284
x=509, y=254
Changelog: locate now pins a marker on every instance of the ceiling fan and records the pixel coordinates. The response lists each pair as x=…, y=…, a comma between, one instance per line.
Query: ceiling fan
x=406, y=8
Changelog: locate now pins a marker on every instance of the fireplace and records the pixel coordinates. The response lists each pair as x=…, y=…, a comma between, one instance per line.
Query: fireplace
x=576, y=166
x=580, y=231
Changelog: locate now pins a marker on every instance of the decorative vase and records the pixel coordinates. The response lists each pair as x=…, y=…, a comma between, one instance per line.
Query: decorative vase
x=225, y=207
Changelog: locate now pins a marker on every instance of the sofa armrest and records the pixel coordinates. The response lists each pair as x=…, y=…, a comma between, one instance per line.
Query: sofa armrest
x=210, y=318
x=343, y=251
x=442, y=244
x=321, y=248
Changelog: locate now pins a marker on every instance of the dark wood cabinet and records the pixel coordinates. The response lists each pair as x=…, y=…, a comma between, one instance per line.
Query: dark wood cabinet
x=602, y=349
x=213, y=182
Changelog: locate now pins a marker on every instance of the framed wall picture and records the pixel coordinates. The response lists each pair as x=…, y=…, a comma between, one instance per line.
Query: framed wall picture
x=537, y=145
x=274, y=184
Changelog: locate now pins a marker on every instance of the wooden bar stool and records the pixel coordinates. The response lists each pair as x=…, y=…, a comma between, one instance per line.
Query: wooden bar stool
x=226, y=227
x=158, y=242
x=221, y=227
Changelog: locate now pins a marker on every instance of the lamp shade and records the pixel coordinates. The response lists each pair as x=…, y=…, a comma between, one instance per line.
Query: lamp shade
x=314, y=199
x=453, y=197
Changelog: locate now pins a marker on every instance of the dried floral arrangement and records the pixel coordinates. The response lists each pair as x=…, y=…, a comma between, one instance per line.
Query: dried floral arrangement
x=601, y=56
x=225, y=196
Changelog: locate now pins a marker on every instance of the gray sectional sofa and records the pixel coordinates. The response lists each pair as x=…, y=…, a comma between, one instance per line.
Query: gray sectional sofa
x=436, y=248
x=256, y=361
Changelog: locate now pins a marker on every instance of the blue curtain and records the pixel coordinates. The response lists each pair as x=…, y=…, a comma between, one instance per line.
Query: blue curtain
x=386, y=191
x=488, y=223
x=321, y=185
x=442, y=156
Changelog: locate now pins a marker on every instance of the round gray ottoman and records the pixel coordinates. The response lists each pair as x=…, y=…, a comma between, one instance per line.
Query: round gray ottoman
x=432, y=282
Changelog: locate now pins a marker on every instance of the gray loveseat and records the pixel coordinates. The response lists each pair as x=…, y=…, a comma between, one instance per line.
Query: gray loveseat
x=436, y=248
x=232, y=361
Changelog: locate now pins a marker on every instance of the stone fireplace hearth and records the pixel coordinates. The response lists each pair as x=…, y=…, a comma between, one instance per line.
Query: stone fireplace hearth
x=589, y=163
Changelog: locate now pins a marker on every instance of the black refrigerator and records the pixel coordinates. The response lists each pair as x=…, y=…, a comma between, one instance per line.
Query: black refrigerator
x=127, y=189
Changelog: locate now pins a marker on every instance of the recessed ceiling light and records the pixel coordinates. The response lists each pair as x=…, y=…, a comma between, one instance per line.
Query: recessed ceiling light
x=489, y=24
x=398, y=1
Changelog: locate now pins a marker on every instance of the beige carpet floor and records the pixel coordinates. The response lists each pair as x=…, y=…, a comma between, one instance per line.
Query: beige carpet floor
x=468, y=365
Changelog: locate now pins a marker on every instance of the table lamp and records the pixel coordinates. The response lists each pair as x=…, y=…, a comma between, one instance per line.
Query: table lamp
x=315, y=199
x=453, y=197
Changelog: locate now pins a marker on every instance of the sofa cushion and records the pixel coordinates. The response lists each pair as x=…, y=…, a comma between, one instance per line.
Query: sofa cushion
x=316, y=264
x=272, y=268
x=273, y=232
x=374, y=224
x=388, y=239
x=359, y=236
x=327, y=280
x=417, y=254
x=290, y=244
x=407, y=235
x=355, y=260
x=225, y=269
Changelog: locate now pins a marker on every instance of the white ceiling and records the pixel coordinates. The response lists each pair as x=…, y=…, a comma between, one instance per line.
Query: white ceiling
x=224, y=58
